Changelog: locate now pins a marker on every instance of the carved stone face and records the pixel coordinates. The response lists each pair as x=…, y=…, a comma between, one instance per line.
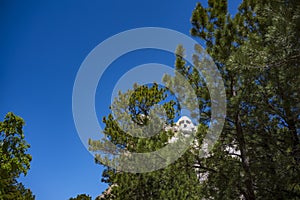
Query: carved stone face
x=185, y=125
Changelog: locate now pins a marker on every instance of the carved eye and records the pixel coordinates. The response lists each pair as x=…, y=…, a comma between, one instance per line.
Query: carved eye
x=187, y=121
x=181, y=122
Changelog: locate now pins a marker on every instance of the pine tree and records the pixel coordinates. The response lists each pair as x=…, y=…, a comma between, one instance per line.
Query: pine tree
x=177, y=181
x=257, y=52
x=81, y=197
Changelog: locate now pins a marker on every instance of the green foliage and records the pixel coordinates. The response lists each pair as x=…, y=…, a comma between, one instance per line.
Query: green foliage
x=257, y=52
x=81, y=197
x=177, y=181
x=14, y=159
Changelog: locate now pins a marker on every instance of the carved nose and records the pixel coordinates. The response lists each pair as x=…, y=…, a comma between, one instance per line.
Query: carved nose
x=185, y=126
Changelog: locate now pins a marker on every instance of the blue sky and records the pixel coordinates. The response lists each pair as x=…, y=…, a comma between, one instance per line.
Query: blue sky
x=43, y=44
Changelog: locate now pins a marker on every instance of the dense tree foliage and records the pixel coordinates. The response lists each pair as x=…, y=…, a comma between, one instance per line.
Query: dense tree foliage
x=13, y=158
x=81, y=197
x=257, y=52
x=178, y=181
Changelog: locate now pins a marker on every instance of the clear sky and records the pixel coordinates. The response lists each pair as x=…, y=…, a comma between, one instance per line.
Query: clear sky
x=43, y=44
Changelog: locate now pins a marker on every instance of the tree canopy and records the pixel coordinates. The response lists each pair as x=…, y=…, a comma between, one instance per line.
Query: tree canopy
x=257, y=52
x=81, y=197
x=13, y=158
